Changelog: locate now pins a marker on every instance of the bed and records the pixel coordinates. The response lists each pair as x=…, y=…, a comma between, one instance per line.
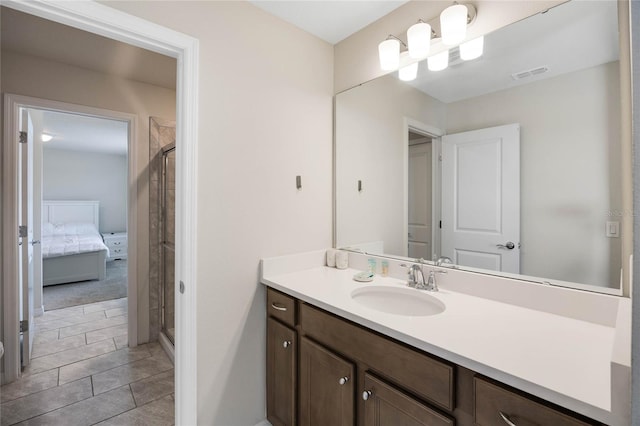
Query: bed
x=72, y=247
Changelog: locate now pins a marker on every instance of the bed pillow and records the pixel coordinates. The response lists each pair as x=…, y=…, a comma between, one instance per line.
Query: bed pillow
x=47, y=229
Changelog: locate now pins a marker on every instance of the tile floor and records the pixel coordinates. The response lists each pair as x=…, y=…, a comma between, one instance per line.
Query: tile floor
x=82, y=372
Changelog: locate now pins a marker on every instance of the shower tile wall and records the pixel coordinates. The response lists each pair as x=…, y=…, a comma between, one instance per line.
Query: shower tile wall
x=161, y=133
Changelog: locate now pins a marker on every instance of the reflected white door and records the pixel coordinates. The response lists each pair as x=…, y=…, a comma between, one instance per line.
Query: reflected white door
x=420, y=182
x=481, y=198
x=25, y=217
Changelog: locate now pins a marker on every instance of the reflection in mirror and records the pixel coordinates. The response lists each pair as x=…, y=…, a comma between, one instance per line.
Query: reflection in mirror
x=509, y=163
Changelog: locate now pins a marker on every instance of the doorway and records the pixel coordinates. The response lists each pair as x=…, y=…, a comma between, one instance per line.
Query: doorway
x=55, y=218
x=103, y=20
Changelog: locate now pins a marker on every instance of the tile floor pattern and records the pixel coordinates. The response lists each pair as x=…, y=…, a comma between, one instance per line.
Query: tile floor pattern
x=82, y=372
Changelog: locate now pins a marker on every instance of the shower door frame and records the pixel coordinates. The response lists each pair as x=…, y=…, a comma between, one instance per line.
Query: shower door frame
x=166, y=150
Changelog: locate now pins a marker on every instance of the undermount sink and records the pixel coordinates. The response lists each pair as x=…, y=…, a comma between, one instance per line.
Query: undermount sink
x=398, y=300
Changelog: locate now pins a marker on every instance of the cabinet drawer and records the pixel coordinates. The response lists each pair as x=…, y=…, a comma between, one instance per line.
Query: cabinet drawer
x=118, y=251
x=281, y=306
x=429, y=378
x=387, y=406
x=495, y=405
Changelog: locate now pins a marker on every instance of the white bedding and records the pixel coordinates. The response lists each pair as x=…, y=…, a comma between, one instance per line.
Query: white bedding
x=63, y=239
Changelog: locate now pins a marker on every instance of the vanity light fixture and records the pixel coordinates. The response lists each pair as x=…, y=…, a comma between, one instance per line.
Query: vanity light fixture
x=453, y=24
x=389, y=53
x=407, y=72
x=419, y=40
x=439, y=61
x=45, y=137
x=472, y=49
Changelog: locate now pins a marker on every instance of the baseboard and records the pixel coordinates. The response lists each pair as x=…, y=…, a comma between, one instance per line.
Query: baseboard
x=265, y=422
x=38, y=312
x=167, y=346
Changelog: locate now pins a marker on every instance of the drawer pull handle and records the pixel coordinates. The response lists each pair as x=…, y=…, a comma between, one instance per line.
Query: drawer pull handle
x=343, y=380
x=506, y=419
x=286, y=344
x=278, y=307
x=366, y=394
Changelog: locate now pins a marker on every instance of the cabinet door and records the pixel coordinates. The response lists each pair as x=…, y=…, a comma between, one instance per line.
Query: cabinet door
x=388, y=406
x=281, y=374
x=326, y=387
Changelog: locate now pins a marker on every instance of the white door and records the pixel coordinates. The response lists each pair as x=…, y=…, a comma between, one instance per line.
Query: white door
x=25, y=218
x=481, y=198
x=420, y=182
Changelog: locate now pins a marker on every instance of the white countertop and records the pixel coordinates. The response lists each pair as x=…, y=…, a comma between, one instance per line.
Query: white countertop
x=560, y=359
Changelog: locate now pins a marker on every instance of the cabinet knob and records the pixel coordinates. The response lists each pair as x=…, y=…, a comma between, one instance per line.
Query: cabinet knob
x=366, y=394
x=343, y=380
x=506, y=419
x=286, y=343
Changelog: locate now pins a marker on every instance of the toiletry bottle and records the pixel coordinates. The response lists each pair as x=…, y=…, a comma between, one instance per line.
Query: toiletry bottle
x=372, y=265
x=385, y=268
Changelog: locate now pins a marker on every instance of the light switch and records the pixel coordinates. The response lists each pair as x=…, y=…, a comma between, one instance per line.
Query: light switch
x=613, y=229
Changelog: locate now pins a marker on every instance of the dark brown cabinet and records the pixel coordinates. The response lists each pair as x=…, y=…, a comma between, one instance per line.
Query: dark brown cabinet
x=326, y=387
x=325, y=370
x=282, y=372
x=386, y=405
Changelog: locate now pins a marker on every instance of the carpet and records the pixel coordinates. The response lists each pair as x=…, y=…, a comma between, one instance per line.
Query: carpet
x=114, y=286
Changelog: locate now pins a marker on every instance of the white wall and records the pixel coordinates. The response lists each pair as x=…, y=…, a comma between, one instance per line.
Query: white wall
x=570, y=170
x=370, y=130
x=265, y=116
x=77, y=175
x=37, y=77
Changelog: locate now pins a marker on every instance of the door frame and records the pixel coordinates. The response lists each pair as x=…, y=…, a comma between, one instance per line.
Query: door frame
x=12, y=105
x=103, y=20
x=416, y=126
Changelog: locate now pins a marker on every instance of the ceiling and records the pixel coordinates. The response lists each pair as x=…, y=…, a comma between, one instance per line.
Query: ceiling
x=332, y=21
x=75, y=132
x=28, y=34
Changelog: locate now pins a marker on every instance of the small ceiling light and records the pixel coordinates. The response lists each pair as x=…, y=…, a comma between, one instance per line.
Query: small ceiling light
x=419, y=40
x=472, y=49
x=453, y=24
x=439, y=61
x=45, y=137
x=389, y=52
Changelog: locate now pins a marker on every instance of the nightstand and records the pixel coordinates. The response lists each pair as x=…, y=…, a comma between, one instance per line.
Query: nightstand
x=117, y=243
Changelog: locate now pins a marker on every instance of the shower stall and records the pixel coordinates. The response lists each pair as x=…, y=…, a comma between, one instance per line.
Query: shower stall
x=167, y=241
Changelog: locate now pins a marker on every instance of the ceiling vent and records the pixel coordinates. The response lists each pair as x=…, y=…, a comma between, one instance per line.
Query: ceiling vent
x=529, y=73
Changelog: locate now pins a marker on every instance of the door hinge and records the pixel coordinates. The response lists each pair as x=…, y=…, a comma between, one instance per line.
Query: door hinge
x=440, y=224
x=440, y=157
x=24, y=326
x=23, y=137
x=23, y=231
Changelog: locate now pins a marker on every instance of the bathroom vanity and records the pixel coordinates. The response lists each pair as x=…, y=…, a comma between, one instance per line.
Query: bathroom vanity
x=335, y=359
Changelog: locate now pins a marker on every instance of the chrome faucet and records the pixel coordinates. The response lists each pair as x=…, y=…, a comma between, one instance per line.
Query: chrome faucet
x=443, y=259
x=416, y=277
x=432, y=285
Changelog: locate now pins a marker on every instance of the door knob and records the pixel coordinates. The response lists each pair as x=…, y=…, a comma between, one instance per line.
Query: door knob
x=343, y=380
x=509, y=246
x=286, y=344
x=366, y=394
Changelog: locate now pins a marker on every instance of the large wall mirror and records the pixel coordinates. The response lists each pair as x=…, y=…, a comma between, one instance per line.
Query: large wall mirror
x=507, y=164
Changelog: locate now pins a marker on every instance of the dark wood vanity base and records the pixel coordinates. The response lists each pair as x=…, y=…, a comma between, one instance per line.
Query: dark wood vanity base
x=326, y=370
